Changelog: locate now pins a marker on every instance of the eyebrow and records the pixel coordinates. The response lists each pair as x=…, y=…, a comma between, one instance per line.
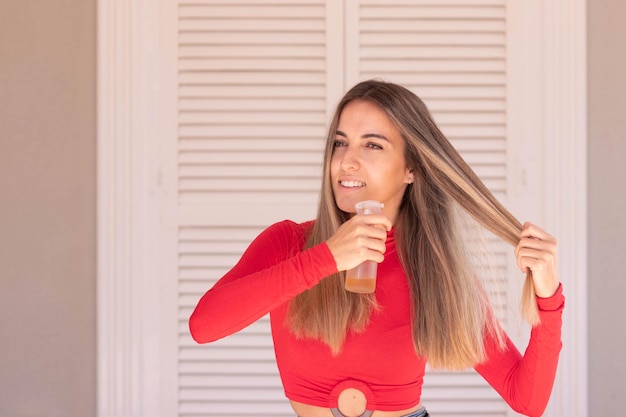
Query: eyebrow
x=366, y=136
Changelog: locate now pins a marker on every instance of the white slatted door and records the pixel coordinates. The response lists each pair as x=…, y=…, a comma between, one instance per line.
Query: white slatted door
x=451, y=53
x=252, y=121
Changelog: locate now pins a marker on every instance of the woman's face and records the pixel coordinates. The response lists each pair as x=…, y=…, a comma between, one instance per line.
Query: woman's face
x=368, y=159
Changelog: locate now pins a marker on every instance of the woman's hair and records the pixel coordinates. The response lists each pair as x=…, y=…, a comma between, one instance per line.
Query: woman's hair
x=450, y=310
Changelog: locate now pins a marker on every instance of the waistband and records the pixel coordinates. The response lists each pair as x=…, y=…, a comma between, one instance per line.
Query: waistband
x=417, y=413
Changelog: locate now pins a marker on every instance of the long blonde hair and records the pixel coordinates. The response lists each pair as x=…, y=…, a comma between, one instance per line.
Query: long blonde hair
x=450, y=311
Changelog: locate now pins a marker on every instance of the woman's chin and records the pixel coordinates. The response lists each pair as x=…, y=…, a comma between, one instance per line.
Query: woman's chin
x=347, y=205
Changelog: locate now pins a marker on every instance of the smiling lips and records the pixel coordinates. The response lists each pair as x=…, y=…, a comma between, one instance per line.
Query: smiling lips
x=351, y=184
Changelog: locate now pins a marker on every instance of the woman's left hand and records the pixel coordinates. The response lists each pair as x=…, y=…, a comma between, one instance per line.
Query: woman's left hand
x=537, y=252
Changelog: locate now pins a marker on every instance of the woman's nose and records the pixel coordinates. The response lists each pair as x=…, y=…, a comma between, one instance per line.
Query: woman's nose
x=350, y=160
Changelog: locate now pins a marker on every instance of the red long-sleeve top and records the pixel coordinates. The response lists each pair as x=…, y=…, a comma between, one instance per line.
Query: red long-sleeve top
x=381, y=361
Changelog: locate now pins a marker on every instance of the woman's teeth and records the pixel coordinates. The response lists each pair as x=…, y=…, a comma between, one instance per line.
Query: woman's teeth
x=352, y=184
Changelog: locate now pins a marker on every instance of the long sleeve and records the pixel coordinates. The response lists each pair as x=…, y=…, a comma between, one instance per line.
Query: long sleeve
x=273, y=270
x=526, y=382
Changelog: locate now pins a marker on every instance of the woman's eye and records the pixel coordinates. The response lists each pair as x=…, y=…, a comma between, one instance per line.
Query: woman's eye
x=338, y=143
x=373, y=145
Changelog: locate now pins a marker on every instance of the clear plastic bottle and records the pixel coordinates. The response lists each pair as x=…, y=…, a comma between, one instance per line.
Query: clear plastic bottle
x=362, y=279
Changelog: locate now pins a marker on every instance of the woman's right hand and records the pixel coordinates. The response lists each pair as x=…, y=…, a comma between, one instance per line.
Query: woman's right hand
x=362, y=238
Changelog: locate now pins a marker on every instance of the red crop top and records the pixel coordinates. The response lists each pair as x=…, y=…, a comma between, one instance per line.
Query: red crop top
x=381, y=362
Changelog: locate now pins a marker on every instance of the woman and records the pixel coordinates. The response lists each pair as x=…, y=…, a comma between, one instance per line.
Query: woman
x=345, y=354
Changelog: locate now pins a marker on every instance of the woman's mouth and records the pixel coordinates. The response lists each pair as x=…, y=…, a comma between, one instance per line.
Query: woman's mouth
x=351, y=184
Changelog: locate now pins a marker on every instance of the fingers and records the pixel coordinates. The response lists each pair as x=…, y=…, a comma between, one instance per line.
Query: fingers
x=373, y=220
x=536, y=248
x=359, y=239
x=531, y=230
x=537, y=252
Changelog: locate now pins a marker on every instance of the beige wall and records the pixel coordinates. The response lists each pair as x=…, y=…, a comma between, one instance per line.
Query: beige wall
x=607, y=206
x=47, y=208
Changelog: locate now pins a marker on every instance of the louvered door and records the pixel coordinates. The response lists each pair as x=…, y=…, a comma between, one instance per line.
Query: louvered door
x=252, y=120
x=453, y=55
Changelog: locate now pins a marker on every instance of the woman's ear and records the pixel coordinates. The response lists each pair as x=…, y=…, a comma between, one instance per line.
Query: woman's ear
x=409, y=177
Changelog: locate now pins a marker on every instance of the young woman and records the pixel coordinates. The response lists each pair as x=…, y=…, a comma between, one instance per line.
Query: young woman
x=346, y=354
